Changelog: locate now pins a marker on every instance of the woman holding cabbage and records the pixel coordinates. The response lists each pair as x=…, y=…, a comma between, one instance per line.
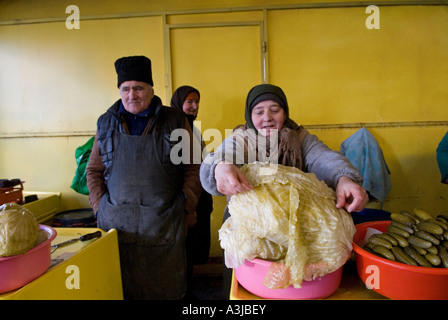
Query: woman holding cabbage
x=270, y=135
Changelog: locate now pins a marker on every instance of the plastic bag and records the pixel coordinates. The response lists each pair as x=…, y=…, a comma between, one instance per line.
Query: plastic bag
x=289, y=217
x=19, y=230
x=82, y=155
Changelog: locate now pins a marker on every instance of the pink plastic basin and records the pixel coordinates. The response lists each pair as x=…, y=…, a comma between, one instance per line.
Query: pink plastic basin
x=17, y=271
x=251, y=276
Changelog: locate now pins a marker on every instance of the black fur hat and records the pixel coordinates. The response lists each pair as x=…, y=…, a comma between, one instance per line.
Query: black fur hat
x=135, y=68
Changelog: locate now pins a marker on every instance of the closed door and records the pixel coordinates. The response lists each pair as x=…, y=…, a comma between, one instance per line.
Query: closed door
x=223, y=63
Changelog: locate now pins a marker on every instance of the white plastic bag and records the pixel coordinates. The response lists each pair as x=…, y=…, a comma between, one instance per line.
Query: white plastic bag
x=290, y=217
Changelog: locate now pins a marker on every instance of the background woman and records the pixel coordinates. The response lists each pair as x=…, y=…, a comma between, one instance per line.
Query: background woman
x=186, y=99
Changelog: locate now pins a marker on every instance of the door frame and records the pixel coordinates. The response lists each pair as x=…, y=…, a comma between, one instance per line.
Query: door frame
x=167, y=27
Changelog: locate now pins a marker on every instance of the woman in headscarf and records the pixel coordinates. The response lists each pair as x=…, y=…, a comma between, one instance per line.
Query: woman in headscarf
x=186, y=99
x=269, y=127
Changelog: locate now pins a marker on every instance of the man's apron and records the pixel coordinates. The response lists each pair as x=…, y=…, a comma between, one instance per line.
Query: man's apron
x=145, y=204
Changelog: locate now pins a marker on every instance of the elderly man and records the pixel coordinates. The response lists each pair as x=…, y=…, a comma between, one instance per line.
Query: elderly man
x=135, y=187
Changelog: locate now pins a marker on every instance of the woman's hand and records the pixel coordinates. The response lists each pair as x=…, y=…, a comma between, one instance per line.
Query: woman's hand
x=350, y=195
x=230, y=180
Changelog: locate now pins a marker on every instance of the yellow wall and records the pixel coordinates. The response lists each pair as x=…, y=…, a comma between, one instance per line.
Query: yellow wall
x=337, y=74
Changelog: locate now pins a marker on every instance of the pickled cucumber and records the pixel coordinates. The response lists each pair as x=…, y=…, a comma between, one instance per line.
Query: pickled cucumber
x=434, y=259
x=433, y=250
x=440, y=222
x=389, y=238
x=416, y=239
x=401, y=256
x=404, y=220
x=410, y=215
x=421, y=214
x=378, y=240
x=430, y=227
x=420, y=250
x=402, y=242
x=383, y=251
x=409, y=230
x=443, y=254
x=427, y=236
x=399, y=231
x=419, y=242
x=417, y=257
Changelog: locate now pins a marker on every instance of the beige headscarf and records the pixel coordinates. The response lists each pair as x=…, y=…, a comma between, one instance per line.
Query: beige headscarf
x=284, y=148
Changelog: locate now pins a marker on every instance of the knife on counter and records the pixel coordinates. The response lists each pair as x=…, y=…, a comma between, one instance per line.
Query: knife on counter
x=96, y=234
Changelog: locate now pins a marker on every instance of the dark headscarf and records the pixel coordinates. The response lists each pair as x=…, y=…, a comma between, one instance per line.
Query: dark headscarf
x=291, y=134
x=178, y=100
x=264, y=92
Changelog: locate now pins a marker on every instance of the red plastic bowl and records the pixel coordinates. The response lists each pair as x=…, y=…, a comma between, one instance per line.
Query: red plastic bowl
x=251, y=276
x=17, y=271
x=397, y=280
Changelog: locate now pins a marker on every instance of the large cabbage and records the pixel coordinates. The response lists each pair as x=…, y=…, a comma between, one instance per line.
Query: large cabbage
x=289, y=217
x=19, y=230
